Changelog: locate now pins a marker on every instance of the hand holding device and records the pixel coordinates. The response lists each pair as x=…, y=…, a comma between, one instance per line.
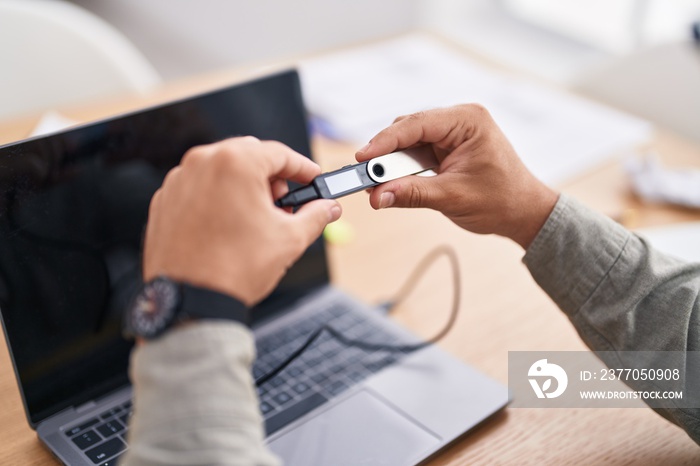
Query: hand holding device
x=212, y=224
x=482, y=185
x=353, y=178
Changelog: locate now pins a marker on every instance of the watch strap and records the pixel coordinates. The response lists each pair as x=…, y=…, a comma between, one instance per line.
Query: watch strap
x=202, y=303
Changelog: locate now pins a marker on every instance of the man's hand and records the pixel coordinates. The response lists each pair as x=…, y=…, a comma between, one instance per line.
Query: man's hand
x=481, y=184
x=213, y=223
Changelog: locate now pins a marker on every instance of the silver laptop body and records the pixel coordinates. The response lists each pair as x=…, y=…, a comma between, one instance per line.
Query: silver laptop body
x=400, y=415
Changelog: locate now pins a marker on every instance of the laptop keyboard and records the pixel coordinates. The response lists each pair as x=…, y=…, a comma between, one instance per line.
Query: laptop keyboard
x=326, y=369
x=103, y=438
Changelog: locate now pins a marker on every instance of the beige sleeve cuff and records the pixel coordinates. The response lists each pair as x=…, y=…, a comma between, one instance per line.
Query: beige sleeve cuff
x=194, y=399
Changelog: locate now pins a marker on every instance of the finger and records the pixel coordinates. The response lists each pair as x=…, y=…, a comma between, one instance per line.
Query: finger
x=155, y=202
x=279, y=188
x=197, y=153
x=310, y=220
x=172, y=175
x=404, y=132
x=283, y=162
x=250, y=141
x=411, y=191
x=427, y=127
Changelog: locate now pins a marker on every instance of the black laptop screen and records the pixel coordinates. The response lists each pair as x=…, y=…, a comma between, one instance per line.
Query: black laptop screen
x=73, y=207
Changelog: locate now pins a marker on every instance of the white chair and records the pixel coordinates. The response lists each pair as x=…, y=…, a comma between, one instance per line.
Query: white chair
x=53, y=53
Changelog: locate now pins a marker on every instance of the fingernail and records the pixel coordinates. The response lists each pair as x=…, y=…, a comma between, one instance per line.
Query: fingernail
x=364, y=149
x=387, y=199
x=334, y=213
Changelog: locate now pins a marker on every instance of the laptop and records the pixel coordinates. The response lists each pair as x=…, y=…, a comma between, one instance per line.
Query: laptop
x=73, y=205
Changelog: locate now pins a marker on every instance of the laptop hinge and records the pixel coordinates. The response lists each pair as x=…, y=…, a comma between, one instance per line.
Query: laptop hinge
x=85, y=407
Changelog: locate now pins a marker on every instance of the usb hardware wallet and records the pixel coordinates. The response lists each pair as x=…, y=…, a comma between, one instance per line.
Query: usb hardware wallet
x=353, y=178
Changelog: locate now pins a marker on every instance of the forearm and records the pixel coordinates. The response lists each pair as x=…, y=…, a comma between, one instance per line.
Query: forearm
x=194, y=400
x=620, y=294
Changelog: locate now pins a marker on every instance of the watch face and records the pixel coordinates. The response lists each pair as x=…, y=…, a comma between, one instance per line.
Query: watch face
x=154, y=308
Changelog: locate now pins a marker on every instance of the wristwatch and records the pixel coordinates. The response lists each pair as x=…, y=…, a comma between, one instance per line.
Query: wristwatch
x=162, y=303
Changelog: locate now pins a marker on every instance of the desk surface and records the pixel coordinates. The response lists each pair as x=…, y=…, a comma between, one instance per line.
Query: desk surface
x=503, y=309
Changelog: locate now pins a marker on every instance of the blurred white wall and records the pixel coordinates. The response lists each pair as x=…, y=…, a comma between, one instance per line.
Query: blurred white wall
x=560, y=39
x=636, y=55
x=183, y=37
x=599, y=47
x=555, y=39
x=617, y=26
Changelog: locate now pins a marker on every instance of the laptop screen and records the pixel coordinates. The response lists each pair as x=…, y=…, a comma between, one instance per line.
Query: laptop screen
x=73, y=206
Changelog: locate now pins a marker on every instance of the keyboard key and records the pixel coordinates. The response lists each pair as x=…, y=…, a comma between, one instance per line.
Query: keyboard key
x=106, y=450
x=354, y=357
x=265, y=347
x=125, y=419
x=265, y=407
x=282, y=398
x=279, y=420
x=301, y=387
x=277, y=381
x=356, y=376
x=336, y=311
x=314, y=360
x=377, y=365
x=337, y=387
x=86, y=439
x=338, y=369
x=127, y=405
x=325, y=346
x=84, y=426
x=111, y=412
x=112, y=462
x=110, y=428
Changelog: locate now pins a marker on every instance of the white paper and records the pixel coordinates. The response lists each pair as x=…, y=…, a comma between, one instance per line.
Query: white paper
x=50, y=122
x=652, y=182
x=354, y=94
x=681, y=241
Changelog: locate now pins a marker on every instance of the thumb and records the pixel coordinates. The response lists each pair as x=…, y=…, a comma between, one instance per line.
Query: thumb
x=313, y=217
x=410, y=191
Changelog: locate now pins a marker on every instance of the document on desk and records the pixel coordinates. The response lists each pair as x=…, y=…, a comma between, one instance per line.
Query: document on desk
x=51, y=121
x=353, y=94
x=681, y=240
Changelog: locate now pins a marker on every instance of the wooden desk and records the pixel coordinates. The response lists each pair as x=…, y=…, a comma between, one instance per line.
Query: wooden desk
x=502, y=310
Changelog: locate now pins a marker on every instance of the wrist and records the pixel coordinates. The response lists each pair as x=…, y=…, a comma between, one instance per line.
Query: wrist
x=533, y=214
x=225, y=281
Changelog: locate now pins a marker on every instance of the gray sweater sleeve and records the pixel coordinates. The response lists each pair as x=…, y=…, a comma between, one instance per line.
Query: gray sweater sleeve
x=194, y=400
x=619, y=293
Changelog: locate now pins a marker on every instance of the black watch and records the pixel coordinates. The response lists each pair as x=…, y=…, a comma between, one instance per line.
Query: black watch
x=161, y=303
